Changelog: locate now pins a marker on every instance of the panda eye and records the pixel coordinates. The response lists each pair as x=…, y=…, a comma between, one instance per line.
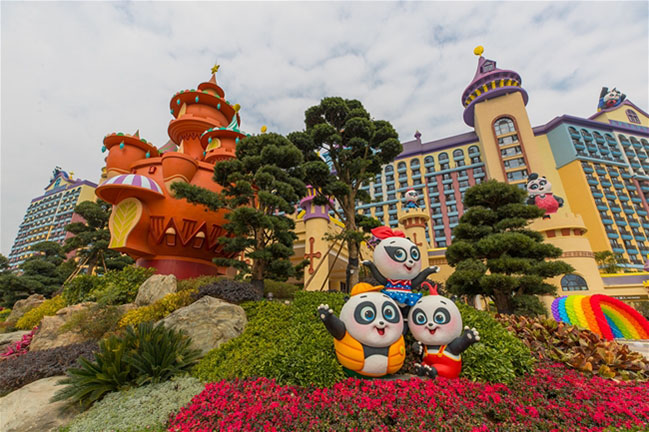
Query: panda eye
x=390, y=313
x=534, y=187
x=419, y=317
x=543, y=182
x=398, y=254
x=441, y=316
x=414, y=253
x=365, y=313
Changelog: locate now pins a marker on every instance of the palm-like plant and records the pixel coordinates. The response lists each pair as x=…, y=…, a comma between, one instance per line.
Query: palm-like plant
x=146, y=354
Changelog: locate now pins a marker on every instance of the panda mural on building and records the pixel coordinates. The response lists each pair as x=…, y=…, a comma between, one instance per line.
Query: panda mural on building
x=368, y=336
x=397, y=265
x=610, y=98
x=436, y=324
x=540, y=195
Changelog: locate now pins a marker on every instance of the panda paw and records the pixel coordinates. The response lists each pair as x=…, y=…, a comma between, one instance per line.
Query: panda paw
x=472, y=334
x=435, y=269
x=324, y=311
x=424, y=370
x=366, y=262
x=418, y=348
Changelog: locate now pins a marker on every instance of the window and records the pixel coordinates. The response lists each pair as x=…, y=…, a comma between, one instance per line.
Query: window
x=443, y=166
x=441, y=244
x=514, y=163
x=451, y=208
x=440, y=233
x=429, y=160
x=401, y=166
x=458, y=153
x=632, y=116
x=517, y=175
x=443, y=157
x=389, y=169
x=474, y=150
x=573, y=282
x=460, y=163
x=504, y=126
x=475, y=159
x=511, y=139
x=511, y=151
x=414, y=163
x=453, y=220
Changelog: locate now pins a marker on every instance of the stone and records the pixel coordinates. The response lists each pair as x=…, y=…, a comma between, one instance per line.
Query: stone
x=7, y=339
x=21, y=307
x=154, y=288
x=48, y=335
x=209, y=322
x=29, y=409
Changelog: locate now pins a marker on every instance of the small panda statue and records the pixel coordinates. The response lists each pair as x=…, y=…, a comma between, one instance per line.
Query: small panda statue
x=396, y=266
x=436, y=324
x=540, y=195
x=411, y=199
x=368, y=336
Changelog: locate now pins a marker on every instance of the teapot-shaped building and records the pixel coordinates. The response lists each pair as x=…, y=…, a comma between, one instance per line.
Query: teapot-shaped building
x=148, y=222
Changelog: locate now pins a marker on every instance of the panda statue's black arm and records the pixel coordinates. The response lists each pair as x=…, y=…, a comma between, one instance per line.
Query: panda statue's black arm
x=460, y=344
x=335, y=326
x=375, y=272
x=559, y=200
x=422, y=276
x=530, y=200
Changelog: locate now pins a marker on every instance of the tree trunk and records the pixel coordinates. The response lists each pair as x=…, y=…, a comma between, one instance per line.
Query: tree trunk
x=352, y=265
x=257, y=276
x=503, y=302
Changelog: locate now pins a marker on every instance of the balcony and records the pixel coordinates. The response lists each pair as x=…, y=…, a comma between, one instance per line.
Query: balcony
x=597, y=194
x=602, y=207
x=607, y=221
x=613, y=235
x=593, y=182
x=587, y=169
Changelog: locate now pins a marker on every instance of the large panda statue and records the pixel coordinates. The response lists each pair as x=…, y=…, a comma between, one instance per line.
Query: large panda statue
x=368, y=336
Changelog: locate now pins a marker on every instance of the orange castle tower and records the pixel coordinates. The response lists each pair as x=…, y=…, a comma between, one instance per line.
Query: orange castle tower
x=148, y=222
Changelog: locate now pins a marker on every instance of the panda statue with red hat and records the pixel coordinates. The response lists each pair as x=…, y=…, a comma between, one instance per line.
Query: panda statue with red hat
x=397, y=265
x=436, y=324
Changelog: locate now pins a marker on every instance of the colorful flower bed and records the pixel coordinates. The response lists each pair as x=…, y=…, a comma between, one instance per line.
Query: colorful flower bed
x=554, y=398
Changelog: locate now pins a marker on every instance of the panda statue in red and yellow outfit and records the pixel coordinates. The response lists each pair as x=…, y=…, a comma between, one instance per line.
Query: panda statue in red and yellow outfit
x=436, y=323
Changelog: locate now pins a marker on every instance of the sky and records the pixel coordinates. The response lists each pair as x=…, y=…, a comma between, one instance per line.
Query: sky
x=71, y=72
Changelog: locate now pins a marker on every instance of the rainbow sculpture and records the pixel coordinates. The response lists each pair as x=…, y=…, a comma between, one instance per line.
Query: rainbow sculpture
x=607, y=316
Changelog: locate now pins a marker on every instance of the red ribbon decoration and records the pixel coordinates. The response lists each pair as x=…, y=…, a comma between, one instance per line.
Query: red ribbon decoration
x=384, y=232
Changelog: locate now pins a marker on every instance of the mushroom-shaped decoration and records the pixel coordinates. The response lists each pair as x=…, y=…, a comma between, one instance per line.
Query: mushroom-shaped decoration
x=115, y=189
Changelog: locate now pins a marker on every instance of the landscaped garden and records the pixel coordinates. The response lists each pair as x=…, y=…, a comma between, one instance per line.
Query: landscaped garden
x=134, y=367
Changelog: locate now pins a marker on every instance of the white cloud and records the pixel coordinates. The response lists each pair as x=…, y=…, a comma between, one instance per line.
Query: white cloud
x=72, y=72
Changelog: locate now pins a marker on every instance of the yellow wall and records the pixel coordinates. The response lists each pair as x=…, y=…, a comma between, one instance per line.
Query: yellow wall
x=619, y=114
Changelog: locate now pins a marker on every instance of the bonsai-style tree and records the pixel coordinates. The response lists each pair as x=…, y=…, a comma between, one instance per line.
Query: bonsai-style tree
x=91, y=238
x=260, y=188
x=493, y=252
x=610, y=262
x=42, y=273
x=344, y=148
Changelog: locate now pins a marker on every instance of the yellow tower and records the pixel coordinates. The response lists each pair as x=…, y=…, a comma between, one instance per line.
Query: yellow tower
x=494, y=104
x=316, y=223
x=414, y=221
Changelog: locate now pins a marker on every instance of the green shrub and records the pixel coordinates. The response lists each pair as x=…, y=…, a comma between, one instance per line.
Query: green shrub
x=33, y=317
x=78, y=289
x=231, y=291
x=499, y=356
x=94, y=322
x=158, y=310
x=120, y=286
x=285, y=342
x=528, y=305
x=280, y=290
x=4, y=313
x=139, y=409
x=197, y=282
x=144, y=355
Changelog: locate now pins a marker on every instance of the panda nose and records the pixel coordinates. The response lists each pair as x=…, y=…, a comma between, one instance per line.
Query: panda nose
x=381, y=323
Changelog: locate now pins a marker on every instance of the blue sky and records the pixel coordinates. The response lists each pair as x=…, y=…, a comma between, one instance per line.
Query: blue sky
x=72, y=72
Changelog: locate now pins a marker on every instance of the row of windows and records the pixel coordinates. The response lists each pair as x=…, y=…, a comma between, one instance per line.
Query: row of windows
x=430, y=160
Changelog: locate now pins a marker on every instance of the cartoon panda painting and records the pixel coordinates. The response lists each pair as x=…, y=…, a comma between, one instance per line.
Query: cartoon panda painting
x=540, y=195
x=397, y=265
x=610, y=98
x=368, y=336
x=436, y=324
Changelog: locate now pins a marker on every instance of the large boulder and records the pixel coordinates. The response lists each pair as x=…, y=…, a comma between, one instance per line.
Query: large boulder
x=21, y=307
x=209, y=322
x=49, y=336
x=154, y=288
x=28, y=409
x=8, y=338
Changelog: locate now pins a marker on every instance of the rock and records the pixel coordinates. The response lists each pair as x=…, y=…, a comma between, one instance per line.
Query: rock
x=28, y=409
x=154, y=288
x=209, y=322
x=126, y=307
x=8, y=338
x=21, y=307
x=48, y=335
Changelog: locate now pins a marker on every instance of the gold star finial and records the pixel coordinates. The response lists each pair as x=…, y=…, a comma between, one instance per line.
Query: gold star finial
x=215, y=68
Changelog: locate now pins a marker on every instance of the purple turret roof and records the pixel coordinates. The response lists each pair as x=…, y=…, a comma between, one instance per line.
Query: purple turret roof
x=489, y=82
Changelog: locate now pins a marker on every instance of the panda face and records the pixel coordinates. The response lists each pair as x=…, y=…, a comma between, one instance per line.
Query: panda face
x=411, y=196
x=539, y=186
x=397, y=258
x=373, y=319
x=435, y=320
x=612, y=95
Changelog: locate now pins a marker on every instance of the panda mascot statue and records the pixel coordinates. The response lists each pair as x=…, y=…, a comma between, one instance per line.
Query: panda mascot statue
x=368, y=336
x=436, y=324
x=610, y=98
x=411, y=199
x=540, y=195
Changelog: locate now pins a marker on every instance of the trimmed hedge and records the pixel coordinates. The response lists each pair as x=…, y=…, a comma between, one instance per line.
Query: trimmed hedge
x=280, y=290
x=19, y=371
x=285, y=342
x=146, y=408
x=231, y=291
x=33, y=317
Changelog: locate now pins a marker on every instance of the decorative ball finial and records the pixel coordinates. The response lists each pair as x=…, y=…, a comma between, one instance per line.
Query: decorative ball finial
x=478, y=50
x=236, y=107
x=264, y=129
x=215, y=68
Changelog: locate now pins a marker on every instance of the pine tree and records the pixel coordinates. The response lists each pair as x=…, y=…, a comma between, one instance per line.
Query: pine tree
x=493, y=252
x=354, y=147
x=260, y=188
